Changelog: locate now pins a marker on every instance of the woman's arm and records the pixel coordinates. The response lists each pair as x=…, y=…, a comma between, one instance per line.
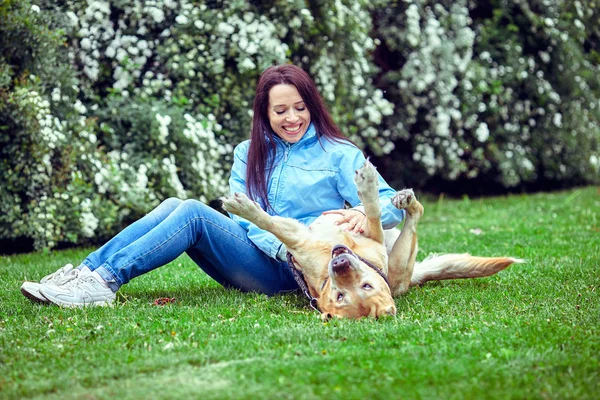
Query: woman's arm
x=264, y=240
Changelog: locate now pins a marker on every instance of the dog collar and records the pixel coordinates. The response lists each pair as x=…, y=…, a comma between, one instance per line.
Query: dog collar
x=299, y=278
x=376, y=268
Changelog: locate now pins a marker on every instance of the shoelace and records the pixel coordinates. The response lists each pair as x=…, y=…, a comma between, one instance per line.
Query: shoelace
x=79, y=280
x=68, y=279
x=55, y=276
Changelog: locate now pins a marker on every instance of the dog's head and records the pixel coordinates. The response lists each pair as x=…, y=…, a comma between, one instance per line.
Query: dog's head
x=354, y=289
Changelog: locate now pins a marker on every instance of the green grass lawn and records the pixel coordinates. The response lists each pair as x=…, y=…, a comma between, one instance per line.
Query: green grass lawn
x=532, y=331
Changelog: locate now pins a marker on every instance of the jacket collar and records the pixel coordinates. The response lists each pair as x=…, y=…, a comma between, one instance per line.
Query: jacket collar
x=310, y=137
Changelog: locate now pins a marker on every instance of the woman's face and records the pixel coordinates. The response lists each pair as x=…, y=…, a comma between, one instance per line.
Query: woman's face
x=287, y=113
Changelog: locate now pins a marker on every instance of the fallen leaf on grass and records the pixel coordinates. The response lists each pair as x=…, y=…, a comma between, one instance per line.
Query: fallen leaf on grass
x=161, y=301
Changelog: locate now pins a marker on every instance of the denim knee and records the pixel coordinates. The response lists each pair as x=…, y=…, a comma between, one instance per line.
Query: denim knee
x=164, y=209
x=171, y=203
x=193, y=207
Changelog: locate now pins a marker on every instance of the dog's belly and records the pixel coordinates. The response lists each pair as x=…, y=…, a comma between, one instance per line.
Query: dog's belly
x=325, y=229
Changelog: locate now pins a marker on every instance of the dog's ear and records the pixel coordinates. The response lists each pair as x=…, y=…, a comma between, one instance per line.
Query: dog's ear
x=389, y=311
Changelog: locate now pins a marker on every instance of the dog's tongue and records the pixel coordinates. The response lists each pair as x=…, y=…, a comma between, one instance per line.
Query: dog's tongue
x=339, y=249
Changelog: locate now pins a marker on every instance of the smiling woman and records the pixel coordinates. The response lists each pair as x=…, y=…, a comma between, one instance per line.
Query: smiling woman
x=295, y=149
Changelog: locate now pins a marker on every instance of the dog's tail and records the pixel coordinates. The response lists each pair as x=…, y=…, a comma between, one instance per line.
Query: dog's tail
x=456, y=266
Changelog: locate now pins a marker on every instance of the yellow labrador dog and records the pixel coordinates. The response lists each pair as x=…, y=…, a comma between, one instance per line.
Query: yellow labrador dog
x=357, y=275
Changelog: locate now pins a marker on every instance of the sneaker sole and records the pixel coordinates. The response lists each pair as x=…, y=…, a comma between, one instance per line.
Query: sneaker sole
x=34, y=298
x=98, y=303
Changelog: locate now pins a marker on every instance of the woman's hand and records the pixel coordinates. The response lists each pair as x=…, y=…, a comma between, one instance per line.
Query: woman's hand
x=356, y=219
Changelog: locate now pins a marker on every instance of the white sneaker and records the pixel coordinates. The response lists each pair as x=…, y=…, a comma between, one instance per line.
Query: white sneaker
x=88, y=289
x=31, y=290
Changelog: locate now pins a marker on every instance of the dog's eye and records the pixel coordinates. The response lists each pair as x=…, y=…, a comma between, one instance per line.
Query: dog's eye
x=340, y=296
x=366, y=286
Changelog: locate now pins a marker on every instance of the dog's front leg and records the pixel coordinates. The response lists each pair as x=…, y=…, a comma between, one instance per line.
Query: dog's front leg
x=368, y=192
x=310, y=253
x=404, y=252
x=291, y=232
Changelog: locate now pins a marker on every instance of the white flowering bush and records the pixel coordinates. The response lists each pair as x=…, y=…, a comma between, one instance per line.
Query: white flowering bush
x=165, y=148
x=109, y=106
x=492, y=96
x=75, y=172
x=159, y=93
x=208, y=55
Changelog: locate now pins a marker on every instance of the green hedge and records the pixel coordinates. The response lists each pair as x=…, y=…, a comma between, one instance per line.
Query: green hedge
x=108, y=107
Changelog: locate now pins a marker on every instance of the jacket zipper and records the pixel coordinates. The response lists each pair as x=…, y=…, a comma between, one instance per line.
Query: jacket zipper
x=285, y=159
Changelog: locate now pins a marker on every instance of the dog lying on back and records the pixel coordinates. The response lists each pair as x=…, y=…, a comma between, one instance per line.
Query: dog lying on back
x=346, y=272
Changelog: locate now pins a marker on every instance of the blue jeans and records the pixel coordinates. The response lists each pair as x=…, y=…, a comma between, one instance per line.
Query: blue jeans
x=216, y=243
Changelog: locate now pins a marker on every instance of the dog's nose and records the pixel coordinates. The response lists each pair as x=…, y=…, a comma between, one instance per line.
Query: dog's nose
x=340, y=263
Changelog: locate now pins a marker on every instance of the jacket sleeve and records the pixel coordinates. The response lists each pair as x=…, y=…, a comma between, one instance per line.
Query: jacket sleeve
x=264, y=240
x=351, y=160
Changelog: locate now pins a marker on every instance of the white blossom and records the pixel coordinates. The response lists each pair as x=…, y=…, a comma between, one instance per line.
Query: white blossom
x=482, y=133
x=181, y=19
x=89, y=222
x=163, y=128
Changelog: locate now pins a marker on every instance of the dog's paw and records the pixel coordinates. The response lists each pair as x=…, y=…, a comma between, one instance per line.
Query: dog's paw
x=403, y=198
x=366, y=181
x=239, y=204
x=406, y=200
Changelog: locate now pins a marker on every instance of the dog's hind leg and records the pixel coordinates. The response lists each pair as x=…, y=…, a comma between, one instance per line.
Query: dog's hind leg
x=404, y=252
x=368, y=192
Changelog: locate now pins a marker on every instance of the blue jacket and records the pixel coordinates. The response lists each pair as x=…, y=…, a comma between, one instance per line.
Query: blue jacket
x=308, y=178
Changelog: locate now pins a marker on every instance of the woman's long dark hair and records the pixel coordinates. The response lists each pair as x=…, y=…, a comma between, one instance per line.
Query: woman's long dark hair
x=262, y=138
